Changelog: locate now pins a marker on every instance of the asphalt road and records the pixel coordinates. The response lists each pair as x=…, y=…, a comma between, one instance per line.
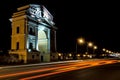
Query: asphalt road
x=104, y=72
x=76, y=70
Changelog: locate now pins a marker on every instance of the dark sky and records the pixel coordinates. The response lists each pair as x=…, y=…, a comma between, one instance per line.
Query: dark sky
x=98, y=22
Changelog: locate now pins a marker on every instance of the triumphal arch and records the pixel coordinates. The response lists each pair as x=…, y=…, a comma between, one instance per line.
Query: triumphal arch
x=33, y=35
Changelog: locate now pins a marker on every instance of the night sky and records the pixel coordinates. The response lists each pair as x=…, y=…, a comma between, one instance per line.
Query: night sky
x=98, y=22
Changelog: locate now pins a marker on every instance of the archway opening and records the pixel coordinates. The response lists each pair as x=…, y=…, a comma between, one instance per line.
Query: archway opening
x=42, y=41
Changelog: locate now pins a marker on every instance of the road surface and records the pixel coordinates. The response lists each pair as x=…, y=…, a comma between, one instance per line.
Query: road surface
x=99, y=69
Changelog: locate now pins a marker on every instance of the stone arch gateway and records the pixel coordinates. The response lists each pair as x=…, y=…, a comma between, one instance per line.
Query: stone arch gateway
x=33, y=36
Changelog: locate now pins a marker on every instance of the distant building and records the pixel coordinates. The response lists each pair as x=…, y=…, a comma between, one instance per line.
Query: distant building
x=33, y=37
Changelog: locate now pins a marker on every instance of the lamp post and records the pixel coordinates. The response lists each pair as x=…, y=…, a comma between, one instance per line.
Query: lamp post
x=94, y=48
x=80, y=41
x=89, y=44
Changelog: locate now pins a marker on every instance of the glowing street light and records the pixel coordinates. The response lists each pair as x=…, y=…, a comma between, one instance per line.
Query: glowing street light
x=80, y=41
x=89, y=44
x=70, y=55
x=103, y=49
x=94, y=48
x=59, y=54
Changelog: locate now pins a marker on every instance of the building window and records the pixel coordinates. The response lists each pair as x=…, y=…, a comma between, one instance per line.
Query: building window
x=31, y=46
x=17, y=45
x=31, y=31
x=18, y=30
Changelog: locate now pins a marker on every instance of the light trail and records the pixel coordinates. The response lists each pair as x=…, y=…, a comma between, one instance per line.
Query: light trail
x=60, y=69
x=48, y=74
x=40, y=64
x=30, y=72
x=71, y=68
x=35, y=71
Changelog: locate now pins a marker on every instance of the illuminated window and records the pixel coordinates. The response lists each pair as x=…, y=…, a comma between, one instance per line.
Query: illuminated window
x=18, y=30
x=17, y=45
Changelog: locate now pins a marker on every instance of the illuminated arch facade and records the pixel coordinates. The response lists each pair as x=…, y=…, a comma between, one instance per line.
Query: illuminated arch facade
x=33, y=34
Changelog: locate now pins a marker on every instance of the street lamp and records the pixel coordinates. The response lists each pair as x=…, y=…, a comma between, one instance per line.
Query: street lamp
x=89, y=44
x=103, y=49
x=94, y=48
x=80, y=41
x=59, y=56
